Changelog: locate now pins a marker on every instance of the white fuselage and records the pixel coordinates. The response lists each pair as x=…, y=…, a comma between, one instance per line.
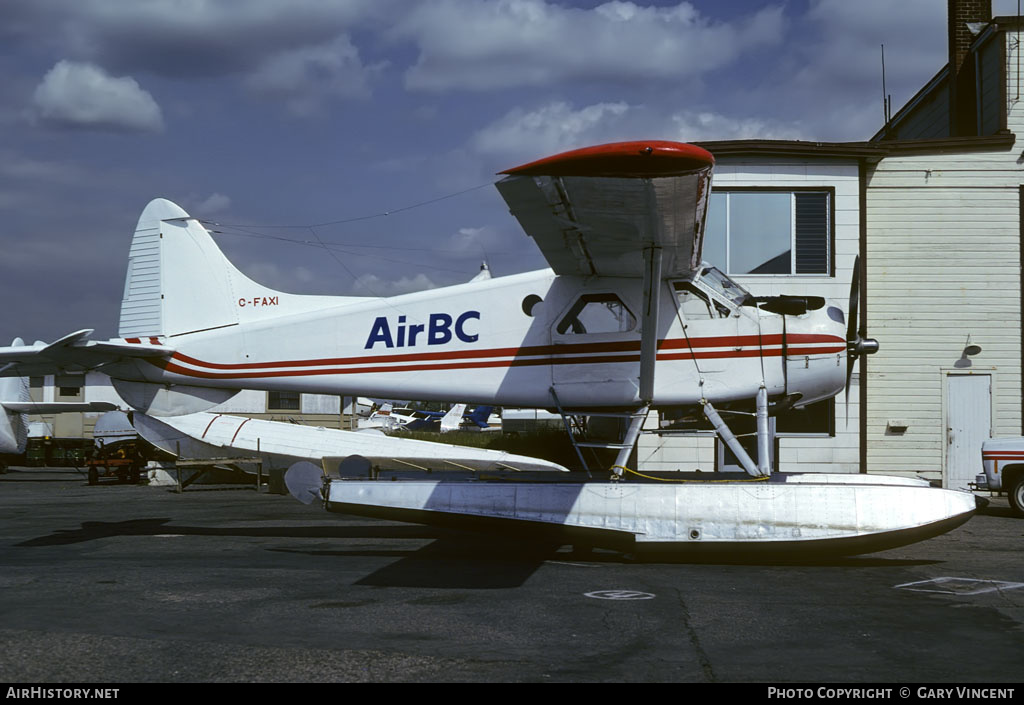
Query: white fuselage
x=512, y=340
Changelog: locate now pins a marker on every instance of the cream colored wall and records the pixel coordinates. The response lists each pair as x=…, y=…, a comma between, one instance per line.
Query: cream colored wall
x=806, y=454
x=943, y=265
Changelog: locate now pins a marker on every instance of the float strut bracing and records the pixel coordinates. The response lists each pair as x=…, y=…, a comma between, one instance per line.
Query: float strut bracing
x=730, y=440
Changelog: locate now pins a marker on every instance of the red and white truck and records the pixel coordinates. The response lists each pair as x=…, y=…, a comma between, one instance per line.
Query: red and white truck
x=1003, y=461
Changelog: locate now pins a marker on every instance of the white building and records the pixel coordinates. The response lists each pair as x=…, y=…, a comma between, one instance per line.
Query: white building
x=311, y=409
x=933, y=204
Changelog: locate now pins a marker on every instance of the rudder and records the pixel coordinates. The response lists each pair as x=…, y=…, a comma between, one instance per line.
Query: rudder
x=179, y=282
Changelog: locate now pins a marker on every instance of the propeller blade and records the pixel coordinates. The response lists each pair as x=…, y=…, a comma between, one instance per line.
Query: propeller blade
x=851, y=330
x=852, y=322
x=857, y=342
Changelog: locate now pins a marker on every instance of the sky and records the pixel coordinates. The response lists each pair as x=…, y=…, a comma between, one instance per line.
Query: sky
x=349, y=147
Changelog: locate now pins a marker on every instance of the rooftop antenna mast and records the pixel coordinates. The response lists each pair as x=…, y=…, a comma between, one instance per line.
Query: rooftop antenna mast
x=886, y=98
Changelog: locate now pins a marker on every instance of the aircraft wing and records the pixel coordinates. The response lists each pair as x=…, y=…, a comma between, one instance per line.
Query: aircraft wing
x=72, y=353
x=593, y=211
x=56, y=407
x=209, y=435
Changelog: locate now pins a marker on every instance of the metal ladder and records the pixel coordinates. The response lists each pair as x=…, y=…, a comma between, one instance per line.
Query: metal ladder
x=573, y=426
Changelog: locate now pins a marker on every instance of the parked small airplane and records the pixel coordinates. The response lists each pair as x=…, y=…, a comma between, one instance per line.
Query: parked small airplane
x=627, y=319
x=388, y=418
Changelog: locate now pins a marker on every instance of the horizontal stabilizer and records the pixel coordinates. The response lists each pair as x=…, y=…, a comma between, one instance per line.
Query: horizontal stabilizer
x=73, y=353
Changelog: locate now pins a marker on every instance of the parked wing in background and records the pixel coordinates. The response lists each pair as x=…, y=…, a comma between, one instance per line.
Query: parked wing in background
x=209, y=435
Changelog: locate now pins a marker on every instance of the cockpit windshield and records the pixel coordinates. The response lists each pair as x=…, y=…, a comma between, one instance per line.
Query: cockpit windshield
x=723, y=286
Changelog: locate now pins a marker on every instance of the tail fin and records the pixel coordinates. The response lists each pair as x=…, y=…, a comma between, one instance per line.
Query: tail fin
x=480, y=415
x=179, y=281
x=453, y=419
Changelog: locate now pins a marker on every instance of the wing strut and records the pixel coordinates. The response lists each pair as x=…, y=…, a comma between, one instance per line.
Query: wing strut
x=648, y=353
x=649, y=324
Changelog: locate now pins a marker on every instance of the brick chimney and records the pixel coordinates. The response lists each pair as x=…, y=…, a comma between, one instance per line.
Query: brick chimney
x=963, y=114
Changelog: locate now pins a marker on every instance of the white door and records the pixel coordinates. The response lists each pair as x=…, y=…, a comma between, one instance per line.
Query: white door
x=968, y=424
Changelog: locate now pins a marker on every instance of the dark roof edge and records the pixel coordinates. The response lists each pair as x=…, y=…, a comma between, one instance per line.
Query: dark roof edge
x=793, y=148
x=935, y=83
x=871, y=151
x=1001, y=23
x=1007, y=21
x=943, y=145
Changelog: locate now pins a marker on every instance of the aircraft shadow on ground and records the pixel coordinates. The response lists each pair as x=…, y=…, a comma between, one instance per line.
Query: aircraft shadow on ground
x=93, y=530
x=453, y=560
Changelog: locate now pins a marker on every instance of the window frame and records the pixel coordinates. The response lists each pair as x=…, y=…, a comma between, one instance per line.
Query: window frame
x=570, y=314
x=829, y=417
x=831, y=223
x=298, y=398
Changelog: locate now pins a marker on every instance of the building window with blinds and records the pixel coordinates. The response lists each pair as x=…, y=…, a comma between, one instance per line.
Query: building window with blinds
x=283, y=401
x=770, y=231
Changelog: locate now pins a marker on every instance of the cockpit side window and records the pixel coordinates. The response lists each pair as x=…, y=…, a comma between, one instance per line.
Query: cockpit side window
x=597, y=313
x=696, y=304
x=723, y=286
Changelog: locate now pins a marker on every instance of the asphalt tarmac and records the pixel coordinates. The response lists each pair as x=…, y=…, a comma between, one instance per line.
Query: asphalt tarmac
x=136, y=584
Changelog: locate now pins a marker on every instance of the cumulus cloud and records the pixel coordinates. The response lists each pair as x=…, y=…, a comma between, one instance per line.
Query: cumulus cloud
x=372, y=285
x=501, y=43
x=474, y=241
x=548, y=129
x=189, y=37
x=82, y=95
x=215, y=203
x=690, y=126
x=297, y=52
x=558, y=126
x=306, y=76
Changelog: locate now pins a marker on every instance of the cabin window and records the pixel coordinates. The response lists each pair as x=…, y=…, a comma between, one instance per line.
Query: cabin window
x=283, y=401
x=597, y=313
x=770, y=231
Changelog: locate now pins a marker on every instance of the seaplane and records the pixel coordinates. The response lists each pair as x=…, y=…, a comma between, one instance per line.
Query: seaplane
x=627, y=319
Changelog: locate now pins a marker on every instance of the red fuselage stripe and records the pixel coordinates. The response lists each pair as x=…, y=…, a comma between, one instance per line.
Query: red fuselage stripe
x=249, y=371
x=545, y=351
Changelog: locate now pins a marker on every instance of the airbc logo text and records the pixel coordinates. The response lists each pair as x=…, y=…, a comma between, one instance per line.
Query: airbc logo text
x=439, y=329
